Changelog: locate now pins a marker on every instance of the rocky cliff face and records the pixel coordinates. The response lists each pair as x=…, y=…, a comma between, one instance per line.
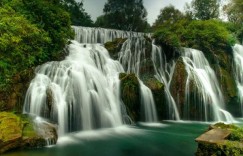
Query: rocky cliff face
x=12, y=99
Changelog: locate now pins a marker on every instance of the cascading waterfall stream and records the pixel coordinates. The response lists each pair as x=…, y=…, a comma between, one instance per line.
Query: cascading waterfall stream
x=84, y=90
x=238, y=64
x=163, y=72
x=202, y=79
x=131, y=55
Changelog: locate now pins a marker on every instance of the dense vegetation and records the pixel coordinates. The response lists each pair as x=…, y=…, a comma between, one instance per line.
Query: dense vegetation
x=78, y=15
x=127, y=15
x=197, y=28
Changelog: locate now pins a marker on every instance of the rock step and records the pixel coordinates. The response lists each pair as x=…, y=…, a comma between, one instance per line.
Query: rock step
x=216, y=135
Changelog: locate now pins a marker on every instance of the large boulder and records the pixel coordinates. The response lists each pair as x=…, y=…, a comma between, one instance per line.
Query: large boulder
x=20, y=132
x=130, y=95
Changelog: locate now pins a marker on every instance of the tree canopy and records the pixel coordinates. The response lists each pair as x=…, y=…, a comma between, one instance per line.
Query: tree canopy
x=127, y=15
x=78, y=15
x=204, y=9
x=168, y=15
x=31, y=32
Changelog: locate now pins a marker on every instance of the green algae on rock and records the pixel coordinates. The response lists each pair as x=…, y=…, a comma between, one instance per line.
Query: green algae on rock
x=228, y=142
x=20, y=132
x=130, y=95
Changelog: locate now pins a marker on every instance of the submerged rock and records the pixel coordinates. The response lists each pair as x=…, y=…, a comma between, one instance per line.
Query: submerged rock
x=20, y=132
x=130, y=95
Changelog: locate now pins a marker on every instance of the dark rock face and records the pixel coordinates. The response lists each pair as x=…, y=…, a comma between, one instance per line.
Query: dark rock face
x=178, y=84
x=130, y=95
x=222, y=62
x=20, y=132
x=13, y=98
x=157, y=89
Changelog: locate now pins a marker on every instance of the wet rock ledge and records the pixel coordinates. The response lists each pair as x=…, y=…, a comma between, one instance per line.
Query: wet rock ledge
x=21, y=132
x=221, y=140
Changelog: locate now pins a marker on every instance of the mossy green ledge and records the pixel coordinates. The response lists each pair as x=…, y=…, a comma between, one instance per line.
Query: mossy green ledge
x=20, y=132
x=221, y=140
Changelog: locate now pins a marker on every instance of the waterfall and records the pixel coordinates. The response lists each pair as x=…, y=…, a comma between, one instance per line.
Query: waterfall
x=101, y=35
x=238, y=64
x=163, y=72
x=202, y=81
x=84, y=90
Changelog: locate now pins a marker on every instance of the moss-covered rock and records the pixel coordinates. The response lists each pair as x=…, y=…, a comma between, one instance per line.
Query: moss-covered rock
x=178, y=84
x=114, y=47
x=232, y=145
x=21, y=132
x=130, y=95
x=230, y=92
x=157, y=89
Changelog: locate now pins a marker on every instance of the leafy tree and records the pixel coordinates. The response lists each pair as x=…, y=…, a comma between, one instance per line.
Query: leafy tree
x=127, y=15
x=31, y=32
x=234, y=11
x=78, y=15
x=168, y=15
x=209, y=36
x=203, y=9
x=22, y=44
x=49, y=16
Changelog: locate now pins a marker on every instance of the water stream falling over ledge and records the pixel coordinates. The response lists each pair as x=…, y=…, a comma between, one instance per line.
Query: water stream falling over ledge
x=238, y=66
x=202, y=80
x=83, y=90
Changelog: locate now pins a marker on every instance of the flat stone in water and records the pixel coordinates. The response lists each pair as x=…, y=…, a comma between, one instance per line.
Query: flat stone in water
x=216, y=135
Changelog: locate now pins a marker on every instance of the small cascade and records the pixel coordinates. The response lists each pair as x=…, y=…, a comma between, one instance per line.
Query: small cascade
x=163, y=72
x=238, y=65
x=147, y=102
x=131, y=54
x=80, y=92
x=207, y=96
x=101, y=35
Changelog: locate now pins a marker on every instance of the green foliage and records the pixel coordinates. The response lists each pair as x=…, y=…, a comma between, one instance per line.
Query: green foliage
x=204, y=9
x=234, y=12
x=208, y=36
x=171, y=35
x=31, y=32
x=127, y=15
x=168, y=15
x=78, y=15
x=22, y=44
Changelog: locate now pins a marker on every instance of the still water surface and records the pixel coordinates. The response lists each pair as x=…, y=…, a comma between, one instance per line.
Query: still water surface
x=167, y=139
